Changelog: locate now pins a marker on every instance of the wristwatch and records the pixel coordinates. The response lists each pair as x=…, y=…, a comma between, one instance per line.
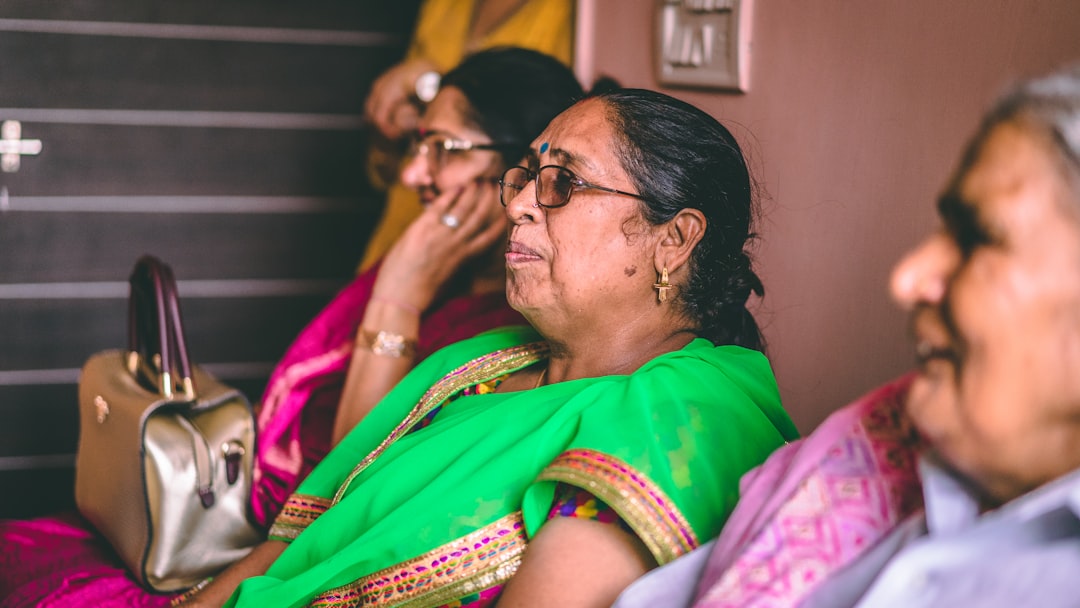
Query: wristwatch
x=386, y=343
x=427, y=86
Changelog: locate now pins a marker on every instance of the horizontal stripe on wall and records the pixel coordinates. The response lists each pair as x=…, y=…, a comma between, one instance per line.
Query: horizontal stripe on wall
x=70, y=375
x=60, y=334
x=111, y=160
x=201, y=32
x=42, y=461
x=196, y=119
x=233, y=288
x=181, y=204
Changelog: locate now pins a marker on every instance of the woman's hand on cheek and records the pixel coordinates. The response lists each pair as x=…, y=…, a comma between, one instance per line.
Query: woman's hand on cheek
x=431, y=250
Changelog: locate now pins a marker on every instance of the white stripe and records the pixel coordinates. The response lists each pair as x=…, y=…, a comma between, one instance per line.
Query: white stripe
x=39, y=377
x=233, y=288
x=202, y=32
x=44, y=461
x=178, y=118
x=185, y=204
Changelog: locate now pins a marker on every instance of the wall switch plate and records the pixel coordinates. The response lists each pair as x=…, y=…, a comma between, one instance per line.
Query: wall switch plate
x=703, y=43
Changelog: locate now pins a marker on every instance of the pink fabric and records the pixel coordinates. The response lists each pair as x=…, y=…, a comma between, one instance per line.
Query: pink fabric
x=61, y=561
x=816, y=504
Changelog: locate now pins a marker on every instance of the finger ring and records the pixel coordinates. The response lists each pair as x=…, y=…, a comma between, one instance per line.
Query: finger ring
x=450, y=221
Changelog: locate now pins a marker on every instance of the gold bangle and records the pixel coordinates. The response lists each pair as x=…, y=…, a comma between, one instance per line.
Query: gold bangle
x=385, y=343
x=190, y=593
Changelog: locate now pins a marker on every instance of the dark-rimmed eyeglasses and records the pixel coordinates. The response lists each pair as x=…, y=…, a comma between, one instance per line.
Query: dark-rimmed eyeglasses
x=554, y=185
x=439, y=148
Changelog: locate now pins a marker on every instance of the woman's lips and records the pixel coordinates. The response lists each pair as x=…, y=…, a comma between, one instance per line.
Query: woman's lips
x=926, y=351
x=516, y=253
x=932, y=341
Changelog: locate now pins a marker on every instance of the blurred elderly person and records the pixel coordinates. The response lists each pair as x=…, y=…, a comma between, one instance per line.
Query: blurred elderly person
x=551, y=465
x=994, y=297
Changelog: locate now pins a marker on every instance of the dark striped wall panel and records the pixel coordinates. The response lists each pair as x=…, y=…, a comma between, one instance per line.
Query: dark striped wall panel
x=225, y=138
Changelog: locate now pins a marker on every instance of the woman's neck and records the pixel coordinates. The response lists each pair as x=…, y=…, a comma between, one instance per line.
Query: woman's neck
x=619, y=352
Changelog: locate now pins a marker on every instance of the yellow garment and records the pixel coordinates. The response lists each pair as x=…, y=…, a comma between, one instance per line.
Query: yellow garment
x=441, y=36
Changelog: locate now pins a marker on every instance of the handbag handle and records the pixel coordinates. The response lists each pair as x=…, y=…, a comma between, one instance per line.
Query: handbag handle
x=155, y=328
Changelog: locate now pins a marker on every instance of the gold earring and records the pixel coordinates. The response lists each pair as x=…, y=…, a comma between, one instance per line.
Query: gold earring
x=662, y=286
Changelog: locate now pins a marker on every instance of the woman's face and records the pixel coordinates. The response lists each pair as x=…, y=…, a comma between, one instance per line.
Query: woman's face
x=432, y=169
x=995, y=302
x=590, y=263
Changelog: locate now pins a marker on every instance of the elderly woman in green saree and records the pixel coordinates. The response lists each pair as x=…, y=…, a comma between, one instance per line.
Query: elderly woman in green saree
x=554, y=464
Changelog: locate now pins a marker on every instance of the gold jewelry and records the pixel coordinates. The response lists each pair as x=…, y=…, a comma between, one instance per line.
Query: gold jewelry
x=386, y=344
x=662, y=286
x=541, y=378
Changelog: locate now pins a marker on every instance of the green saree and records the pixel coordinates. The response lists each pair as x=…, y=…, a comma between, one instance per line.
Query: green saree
x=445, y=512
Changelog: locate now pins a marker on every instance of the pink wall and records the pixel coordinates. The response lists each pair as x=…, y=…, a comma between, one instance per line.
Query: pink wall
x=856, y=113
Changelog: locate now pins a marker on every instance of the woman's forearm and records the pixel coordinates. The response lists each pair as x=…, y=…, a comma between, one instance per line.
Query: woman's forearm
x=371, y=375
x=222, y=587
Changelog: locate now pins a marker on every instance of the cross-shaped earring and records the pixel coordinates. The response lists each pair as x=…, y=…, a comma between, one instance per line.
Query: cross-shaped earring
x=662, y=286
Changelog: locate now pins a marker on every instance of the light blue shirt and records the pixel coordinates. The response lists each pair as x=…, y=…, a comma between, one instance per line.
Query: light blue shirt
x=1025, y=553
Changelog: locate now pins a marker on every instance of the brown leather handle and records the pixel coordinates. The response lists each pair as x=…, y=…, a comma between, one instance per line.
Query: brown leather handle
x=155, y=327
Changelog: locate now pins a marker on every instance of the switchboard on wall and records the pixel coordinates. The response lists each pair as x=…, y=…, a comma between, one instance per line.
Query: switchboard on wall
x=703, y=43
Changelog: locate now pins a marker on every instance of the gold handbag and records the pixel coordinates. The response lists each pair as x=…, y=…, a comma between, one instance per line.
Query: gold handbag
x=165, y=450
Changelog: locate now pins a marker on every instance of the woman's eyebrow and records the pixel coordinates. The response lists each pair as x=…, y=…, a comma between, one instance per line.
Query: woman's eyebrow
x=962, y=220
x=570, y=160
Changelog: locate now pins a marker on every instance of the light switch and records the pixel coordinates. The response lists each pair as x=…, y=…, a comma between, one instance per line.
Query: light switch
x=703, y=43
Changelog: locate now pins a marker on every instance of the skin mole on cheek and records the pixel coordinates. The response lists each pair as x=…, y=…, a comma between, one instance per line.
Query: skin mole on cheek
x=630, y=271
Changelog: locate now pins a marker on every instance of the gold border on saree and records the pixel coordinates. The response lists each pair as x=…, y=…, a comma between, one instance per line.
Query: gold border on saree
x=479, y=560
x=638, y=500
x=481, y=369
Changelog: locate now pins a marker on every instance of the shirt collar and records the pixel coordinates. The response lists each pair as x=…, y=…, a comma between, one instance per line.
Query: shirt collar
x=952, y=506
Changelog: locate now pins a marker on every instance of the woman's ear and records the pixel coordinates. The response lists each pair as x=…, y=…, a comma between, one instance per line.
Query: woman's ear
x=679, y=236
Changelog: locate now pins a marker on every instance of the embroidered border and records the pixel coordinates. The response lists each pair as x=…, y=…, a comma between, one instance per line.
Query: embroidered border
x=639, y=501
x=297, y=514
x=478, y=370
x=468, y=565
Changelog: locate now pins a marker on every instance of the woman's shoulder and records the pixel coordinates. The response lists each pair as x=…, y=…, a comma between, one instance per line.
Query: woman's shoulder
x=703, y=366
x=722, y=385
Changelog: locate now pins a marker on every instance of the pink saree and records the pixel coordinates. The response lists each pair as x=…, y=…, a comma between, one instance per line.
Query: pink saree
x=816, y=504
x=61, y=561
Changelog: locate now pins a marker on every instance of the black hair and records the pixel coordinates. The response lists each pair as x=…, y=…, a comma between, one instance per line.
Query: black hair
x=679, y=157
x=513, y=94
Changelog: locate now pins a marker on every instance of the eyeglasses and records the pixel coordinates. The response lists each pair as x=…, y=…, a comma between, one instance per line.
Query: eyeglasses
x=554, y=185
x=439, y=148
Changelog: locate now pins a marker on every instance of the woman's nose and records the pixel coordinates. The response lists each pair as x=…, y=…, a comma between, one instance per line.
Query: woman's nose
x=416, y=172
x=523, y=206
x=922, y=276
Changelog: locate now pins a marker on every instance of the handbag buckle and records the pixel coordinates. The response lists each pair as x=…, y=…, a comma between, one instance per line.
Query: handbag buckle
x=206, y=495
x=233, y=451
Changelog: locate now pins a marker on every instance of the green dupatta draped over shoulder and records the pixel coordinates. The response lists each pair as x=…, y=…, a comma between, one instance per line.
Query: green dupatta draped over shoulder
x=423, y=518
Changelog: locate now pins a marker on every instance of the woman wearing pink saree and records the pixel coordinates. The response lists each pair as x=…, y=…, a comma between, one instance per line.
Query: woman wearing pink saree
x=442, y=282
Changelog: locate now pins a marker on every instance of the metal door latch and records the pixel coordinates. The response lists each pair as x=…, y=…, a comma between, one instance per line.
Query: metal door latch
x=13, y=146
